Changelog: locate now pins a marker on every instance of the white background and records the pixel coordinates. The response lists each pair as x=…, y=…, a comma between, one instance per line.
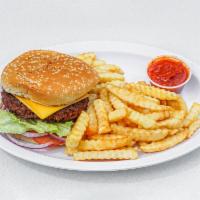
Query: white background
x=169, y=24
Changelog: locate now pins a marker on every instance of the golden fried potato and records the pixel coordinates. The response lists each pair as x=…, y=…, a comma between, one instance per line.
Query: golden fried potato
x=126, y=122
x=116, y=102
x=193, y=127
x=105, y=143
x=182, y=105
x=104, y=96
x=178, y=104
x=155, y=92
x=161, y=115
x=164, y=144
x=141, y=110
x=163, y=102
x=135, y=91
x=174, y=122
x=193, y=114
x=109, y=68
x=117, y=115
x=98, y=62
x=138, y=134
x=92, y=97
x=143, y=83
x=109, y=76
x=117, y=83
x=100, y=86
x=175, y=131
x=141, y=119
x=133, y=116
x=92, y=128
x=135, y=99
x=102, y=117
x=89, y=57
x=121, y=154
x=76, y=133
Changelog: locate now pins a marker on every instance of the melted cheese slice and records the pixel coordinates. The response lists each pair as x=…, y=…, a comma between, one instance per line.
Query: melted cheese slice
x=40, y=110
x=43, y=111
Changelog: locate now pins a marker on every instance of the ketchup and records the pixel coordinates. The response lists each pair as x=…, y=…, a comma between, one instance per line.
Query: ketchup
x=168, y=71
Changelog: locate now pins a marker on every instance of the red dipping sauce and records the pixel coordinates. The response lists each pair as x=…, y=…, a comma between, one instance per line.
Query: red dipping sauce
x=168, y=72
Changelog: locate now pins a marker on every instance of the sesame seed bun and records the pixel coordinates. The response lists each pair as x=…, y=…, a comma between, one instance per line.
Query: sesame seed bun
x=48, y=77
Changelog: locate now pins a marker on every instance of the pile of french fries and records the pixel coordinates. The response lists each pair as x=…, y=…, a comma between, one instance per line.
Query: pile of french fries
x=124, y=118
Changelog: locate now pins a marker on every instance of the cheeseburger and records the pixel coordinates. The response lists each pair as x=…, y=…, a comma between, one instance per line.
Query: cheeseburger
x=43, y=92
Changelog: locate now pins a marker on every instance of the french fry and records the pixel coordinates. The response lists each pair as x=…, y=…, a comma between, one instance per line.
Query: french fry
x=140, y=134
x=107, y=136
x=89, y=57
x=117, y=115
x=77, y=133
x=141, y=110
x=175, y=131
x=122, y=154
x=143, y=83
x=117, y=83
x=163, y=102
x=127, y=122
x=193, y=127
x=116, y=102
x=92, y=97
x=100, y=86
x=141, y=119
x=193, y=114
x=105, y=144
x=135, y=91
x=173, y=122
x=98, y=62
x=135, y=99
x=174, y=104
x=92, y=128
x=109, y=68
x=182, y=104
x=178, y=104
x=109, y=76
x=102, y=117
x=164, y=144
x=133, y=116
x=159, y=115
x=155, y=92
x=104, y=96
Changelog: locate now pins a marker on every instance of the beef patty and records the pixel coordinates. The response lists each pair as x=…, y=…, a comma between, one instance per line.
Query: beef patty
x=68, y=113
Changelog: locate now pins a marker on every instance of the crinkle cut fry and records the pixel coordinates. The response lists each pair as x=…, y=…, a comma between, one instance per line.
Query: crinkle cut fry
x=138, y=134
x=155, y=92
x=193, y=127
x=102, y=116
x=105, y=144
x=193, y=114
x=121, y=154
x=165, y=143
x=76, y=133
x=92, y=128
x=136, y=99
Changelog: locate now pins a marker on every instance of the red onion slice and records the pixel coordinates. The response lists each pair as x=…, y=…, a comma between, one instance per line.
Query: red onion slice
x=57, y=138
x=26, y=144
x=2, y=107
x=33, y=135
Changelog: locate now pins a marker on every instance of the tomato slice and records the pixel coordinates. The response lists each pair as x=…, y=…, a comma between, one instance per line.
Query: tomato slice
x=45, y=139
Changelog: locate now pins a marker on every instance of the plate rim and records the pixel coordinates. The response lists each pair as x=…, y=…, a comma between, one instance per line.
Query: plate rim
x=161, y=157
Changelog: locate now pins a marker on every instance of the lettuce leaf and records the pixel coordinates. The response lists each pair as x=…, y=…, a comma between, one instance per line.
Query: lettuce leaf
x=9, y=123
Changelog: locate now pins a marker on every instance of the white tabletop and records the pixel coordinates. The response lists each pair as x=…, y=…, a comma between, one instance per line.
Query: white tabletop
x=171, y=24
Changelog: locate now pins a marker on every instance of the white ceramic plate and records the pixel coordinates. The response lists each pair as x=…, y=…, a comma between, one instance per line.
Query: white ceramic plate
x=133, y=58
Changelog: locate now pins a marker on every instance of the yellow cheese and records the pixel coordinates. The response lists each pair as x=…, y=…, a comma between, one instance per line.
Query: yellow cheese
x=40, y=110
